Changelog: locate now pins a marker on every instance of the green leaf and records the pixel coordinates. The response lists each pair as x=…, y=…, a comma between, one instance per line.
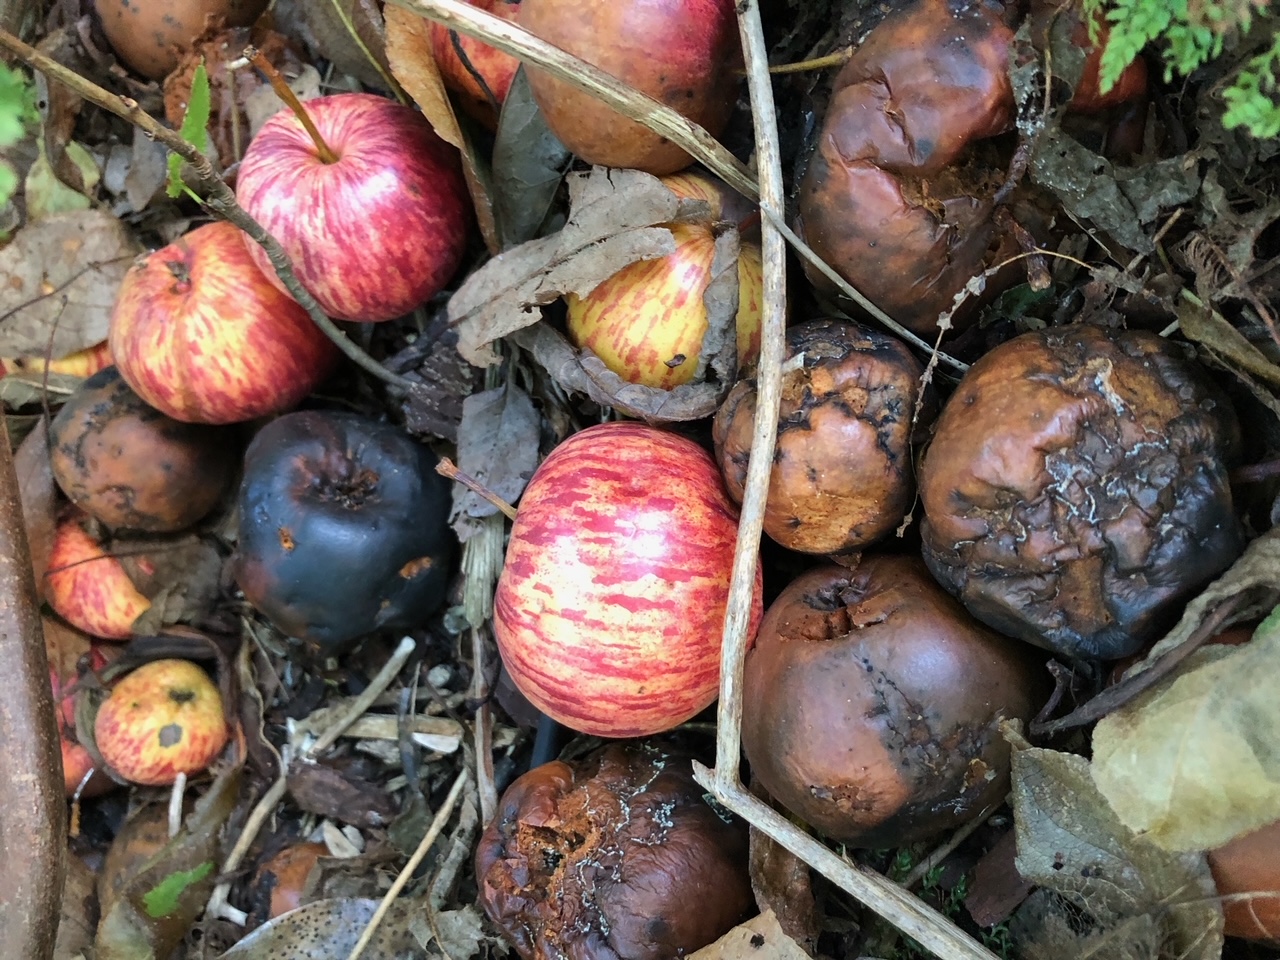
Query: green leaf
x=162, y=899
x=194, y=126
x=16, y=110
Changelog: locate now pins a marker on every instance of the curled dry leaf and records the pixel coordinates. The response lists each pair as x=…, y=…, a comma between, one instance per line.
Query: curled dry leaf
x=413, y=64
x=58, y=282
x=181, y=576
x=456, y=933
x=352, y=35
x=1071, y=842
x=582, y=371
x=613, y=222
x=39, y=495
x=528, y=164
x=1193, y=762
x=1213, y=332
x=498, y=446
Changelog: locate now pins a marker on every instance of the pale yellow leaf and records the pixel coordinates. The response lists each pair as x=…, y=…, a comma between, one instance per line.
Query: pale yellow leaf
x=760, y=938
x=1195, y=761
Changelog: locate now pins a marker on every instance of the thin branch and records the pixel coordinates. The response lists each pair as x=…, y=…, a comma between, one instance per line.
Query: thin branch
x=221, y=200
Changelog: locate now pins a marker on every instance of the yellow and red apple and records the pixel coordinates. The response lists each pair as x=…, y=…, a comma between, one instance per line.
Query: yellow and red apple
x=89, y=588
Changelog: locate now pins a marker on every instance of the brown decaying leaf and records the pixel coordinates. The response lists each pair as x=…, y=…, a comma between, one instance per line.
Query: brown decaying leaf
x=997, y=886
x=325, y=792
x=58, y=282
x=39, y=495
x=1212, y=331
x=127, y=931
x=1192, y=763
x=444, y=380
x=498, y=446
x=180, y=575
x=760, y=938
x=333, y=926
x=613, y=223
x=414, y=65
x=456, y=933
x=1071, y=842
x=781, y=883
x=79, y=913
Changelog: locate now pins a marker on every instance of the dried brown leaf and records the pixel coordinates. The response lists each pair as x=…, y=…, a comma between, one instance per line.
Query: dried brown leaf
x=325, y=792
x=1211, y=330
x=181, y=576
x=760, y=938
x=613, y=222
x=458, y=934
x=781, y=883
x=39, y=496
x=1071, y=842
x=413, y=63
x=58, y=282
x=498, y=446
x=1195, y=761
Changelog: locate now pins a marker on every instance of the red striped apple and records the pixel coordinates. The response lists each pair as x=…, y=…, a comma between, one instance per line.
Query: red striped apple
x=202, y=334
x=611, y=602
x=377, y=231
x=89, y=588
x=163, y=719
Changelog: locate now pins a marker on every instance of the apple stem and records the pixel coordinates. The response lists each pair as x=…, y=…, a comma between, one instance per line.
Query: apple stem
x=447, y=468
x=837, y=59
x=285, y=93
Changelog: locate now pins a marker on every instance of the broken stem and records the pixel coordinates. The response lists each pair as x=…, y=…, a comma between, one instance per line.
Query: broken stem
x=447, y=468
x=837, y=59
x=285, y=93
x=221, y=201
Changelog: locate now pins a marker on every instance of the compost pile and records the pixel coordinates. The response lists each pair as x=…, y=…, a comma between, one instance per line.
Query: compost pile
x=382, y=424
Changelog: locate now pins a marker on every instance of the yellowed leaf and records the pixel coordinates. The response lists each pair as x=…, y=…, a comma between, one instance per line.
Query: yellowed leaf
x=1195, y=761
x=760, y=938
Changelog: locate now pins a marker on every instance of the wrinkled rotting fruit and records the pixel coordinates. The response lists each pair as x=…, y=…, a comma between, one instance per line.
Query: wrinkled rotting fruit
x=680, y=52
x=1250, y=865
x=614, y=857
x=873, y=702
x=343, y=527
x=842, y=472
x=883, y=199
x=150, y=36
x=1076, y=488
x=128, y=465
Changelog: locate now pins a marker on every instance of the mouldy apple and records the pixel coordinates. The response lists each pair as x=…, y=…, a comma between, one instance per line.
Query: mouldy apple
x=373, y=234
x=89, y=588
x=149, y=36
x=203, y=335
x=681, y=52
x=343, y=527
x=128, y=465
x=163, y=719
x=610, y=607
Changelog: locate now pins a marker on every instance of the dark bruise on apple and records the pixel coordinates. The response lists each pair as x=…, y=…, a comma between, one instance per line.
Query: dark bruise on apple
x=613, y=857
x=842, y=474
x=873, y=703
x=374, y=233
x=128, y=465
x=343, y=528
x=1076, y=489
x=683, y=53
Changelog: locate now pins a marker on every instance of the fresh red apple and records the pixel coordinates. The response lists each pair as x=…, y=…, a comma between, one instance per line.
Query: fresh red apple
x=89, y=588
x=496, y=68
x=610, y=607
x=647, y=322
x=82, y=363
x=163, y=719
x=204, y=336
x=684, y=53
x=373, y=234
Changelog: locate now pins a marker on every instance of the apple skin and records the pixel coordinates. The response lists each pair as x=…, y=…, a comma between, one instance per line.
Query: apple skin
x=87, y=587
x=378, y=232
x=610, y=607
x=680, y=52
x=203, y=335
x=641, y=320
x=497, y=68
x=1250, y=864
x=163, y=719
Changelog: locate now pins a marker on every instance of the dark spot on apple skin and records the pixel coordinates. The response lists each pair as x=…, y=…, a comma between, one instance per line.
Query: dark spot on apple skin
x=181, y=696
x=170, y=735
